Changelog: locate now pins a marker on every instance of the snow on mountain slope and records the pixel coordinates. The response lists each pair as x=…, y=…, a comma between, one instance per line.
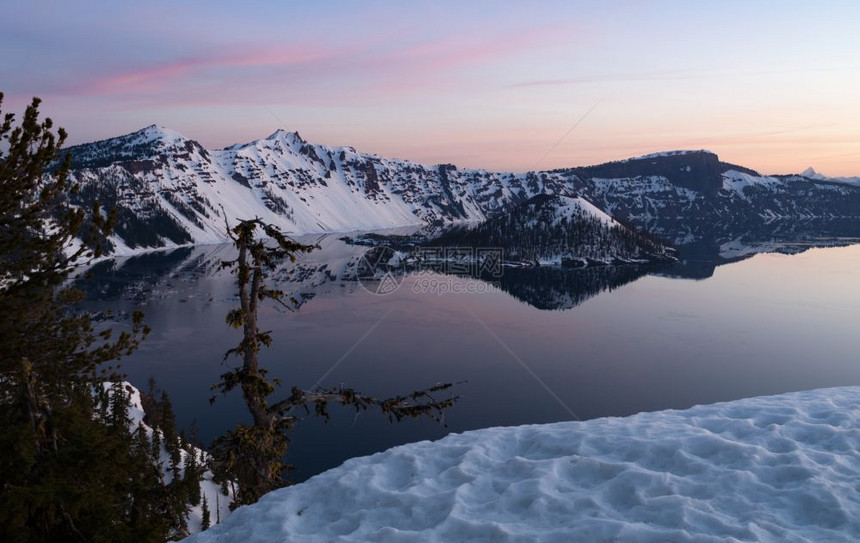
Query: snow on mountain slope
x=737, y=181
x=171, y=191
x=571, y=208
x=660, y=154
x=776, y=469
x=560, y=230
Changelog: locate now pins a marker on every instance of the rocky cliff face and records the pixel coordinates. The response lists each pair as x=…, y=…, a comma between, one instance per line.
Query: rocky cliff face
x=700, y=171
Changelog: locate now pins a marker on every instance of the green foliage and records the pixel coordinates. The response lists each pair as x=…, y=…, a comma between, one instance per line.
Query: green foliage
x=206, y=520
x=70, y=470
x=252, y=455
x=191, y=476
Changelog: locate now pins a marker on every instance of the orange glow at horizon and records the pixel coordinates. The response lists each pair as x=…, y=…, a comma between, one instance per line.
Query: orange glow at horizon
x=479, y=84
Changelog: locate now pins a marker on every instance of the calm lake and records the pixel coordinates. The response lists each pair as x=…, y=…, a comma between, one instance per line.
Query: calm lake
x=536, y=346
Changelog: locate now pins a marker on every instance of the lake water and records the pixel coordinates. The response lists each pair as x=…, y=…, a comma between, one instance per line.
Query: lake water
x=615, y=342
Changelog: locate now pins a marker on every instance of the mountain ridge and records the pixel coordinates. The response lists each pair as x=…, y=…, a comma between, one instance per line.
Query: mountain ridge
x=170, y=190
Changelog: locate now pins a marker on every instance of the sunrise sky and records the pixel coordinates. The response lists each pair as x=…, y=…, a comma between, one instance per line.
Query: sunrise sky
x=770, y=85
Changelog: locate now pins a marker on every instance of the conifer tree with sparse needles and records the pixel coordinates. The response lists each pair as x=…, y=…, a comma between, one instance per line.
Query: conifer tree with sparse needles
x=253, y=455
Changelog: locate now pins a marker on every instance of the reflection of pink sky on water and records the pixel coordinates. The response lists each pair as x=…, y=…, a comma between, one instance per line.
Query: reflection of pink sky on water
x=768, y=324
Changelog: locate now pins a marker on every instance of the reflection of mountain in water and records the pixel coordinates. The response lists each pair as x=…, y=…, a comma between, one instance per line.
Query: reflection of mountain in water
x=142, y=277
x=553, y=287
x=193, y=273
x=702, y=247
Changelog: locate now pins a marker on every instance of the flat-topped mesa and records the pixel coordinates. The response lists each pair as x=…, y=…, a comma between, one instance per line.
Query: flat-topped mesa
x=697, y=170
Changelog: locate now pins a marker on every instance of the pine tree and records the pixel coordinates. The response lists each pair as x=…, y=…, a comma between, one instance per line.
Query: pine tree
x=155, y=446
x=119, y=404
x=252, y=455
x=150, y=404
x=191, y=476
x=64, y=475
x=206, y=515
x=171, y=439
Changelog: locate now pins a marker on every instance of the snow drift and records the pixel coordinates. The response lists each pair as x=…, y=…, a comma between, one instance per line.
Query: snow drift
x=780, y=468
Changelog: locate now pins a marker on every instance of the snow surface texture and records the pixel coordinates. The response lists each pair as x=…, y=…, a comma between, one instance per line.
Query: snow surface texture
x=780, y=468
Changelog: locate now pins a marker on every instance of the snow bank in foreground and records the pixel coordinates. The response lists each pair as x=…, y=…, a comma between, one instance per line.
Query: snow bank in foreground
x=780, y=468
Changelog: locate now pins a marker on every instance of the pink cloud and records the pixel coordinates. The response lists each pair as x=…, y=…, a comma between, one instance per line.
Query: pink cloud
x=315, y=72
x=161, y=77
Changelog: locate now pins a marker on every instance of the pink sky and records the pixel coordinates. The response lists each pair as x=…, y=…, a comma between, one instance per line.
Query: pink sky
x=488, y=84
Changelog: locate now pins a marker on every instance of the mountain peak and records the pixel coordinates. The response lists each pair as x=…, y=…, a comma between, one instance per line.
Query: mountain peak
x=809, y=172
x=286, y=135
x=147, y=142
x=156, y=133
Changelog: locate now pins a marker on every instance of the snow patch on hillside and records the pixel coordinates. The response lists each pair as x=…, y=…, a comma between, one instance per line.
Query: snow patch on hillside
x=736, y=181
x=155, y=132
x=218, y=503
x=573, y=208
x=778, y=468
x=679, y=152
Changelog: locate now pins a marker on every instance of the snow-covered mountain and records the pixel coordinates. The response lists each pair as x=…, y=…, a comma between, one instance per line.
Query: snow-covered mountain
x=169, y=190
x=818, y=176
x=555, y=229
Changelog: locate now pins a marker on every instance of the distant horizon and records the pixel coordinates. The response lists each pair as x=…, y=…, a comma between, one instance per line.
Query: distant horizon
x=501, y=86
x=359, y=150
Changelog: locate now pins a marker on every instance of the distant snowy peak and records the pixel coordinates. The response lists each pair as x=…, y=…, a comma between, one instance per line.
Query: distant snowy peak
x=156, y=132
x=281, y=134
x=284, y=137
x=156, y=135
x=818, y=176
x=811, y=173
